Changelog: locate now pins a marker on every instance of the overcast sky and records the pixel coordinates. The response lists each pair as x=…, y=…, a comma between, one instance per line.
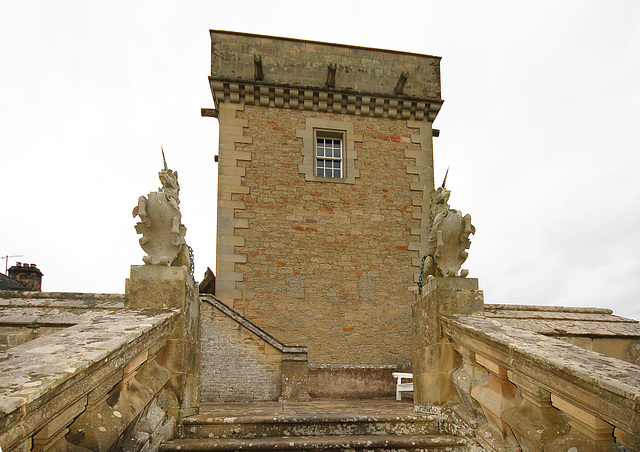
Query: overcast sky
x=540, y=127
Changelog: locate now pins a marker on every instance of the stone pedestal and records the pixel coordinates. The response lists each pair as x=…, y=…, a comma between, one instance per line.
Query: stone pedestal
x=295, y=379
x=157, y=287
x=434, y=357
x=163, y=287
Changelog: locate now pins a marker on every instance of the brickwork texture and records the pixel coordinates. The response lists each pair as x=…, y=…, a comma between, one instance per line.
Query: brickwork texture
x=237, y=366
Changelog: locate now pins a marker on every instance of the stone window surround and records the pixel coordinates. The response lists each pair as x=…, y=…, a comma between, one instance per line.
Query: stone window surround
x=308, y=165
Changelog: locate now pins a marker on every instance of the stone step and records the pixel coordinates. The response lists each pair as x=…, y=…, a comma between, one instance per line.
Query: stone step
x=382, y=442
x=320, y=424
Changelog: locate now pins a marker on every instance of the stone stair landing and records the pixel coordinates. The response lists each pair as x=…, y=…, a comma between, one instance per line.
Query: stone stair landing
x=317, y=425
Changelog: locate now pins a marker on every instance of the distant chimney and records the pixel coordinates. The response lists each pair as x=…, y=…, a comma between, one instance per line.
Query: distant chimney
x=28, y=274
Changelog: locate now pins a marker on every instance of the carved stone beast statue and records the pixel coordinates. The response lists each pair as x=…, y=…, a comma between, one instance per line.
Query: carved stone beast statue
x=160, y=224
x=449, y=239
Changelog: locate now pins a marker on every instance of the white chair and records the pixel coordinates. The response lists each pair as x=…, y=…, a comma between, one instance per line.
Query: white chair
x=400, y=386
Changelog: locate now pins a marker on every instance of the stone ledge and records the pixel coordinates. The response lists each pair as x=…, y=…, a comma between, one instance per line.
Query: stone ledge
x=60, y=295
x=60, y=300
x=350, y=442
x=529, y=308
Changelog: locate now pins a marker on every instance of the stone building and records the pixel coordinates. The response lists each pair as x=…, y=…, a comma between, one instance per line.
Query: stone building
x=325, y=180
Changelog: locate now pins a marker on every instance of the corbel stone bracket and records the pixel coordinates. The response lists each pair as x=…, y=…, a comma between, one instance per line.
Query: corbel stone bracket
x=315, y=99
x=110, y=412
x=469, y=375
x=534, y=422
x=495, y=396
x=52, y=436
x=587, y=430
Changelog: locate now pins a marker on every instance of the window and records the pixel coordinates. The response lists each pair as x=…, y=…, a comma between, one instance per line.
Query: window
x=329, y=153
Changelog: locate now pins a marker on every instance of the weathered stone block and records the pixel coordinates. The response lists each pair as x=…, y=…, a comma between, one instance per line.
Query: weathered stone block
x=295, y=378
x=157, y=287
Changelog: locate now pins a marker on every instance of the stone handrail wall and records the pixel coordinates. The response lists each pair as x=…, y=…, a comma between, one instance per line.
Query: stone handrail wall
x=249, y=325
x=517, y=388
x=82, y=387
x=292, y=360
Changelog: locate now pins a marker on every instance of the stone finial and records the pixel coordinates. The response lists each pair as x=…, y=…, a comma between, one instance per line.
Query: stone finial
x=160, y=224
x=449, y=238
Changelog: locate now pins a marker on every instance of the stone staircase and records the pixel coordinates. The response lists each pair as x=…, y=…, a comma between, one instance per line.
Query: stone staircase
x=317, y=425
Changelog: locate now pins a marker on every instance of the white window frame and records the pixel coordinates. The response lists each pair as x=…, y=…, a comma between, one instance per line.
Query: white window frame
x=329, y=153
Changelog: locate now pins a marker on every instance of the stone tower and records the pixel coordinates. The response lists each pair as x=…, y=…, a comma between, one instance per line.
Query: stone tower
x=325, y=182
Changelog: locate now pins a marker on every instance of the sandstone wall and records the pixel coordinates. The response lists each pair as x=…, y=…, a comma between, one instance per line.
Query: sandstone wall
x=236, y=365
x=323, y=264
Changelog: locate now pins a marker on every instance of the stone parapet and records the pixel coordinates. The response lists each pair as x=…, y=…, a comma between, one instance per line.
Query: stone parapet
x=533, y=379
x=107, y=363
x=282, y=62
x=61, y=300
x=342, y=382
x=303, y=75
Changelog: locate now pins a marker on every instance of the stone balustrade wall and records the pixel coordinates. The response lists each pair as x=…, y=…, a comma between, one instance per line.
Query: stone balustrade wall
x=521, y=390
x=96, y=385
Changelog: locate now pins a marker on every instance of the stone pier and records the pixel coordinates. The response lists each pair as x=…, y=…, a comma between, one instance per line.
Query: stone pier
x=434, y=356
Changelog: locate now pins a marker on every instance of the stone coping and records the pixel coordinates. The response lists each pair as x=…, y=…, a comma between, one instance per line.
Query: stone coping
x=35, y=372
x=564, y=321
x=556, y=316
x=47, y=316
x=536, y=308
x=569, y=327
x=597, y=383
x=60, y=295
x=249, y=325
x=389, y=367
x=322, y=43
x=61, y=300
